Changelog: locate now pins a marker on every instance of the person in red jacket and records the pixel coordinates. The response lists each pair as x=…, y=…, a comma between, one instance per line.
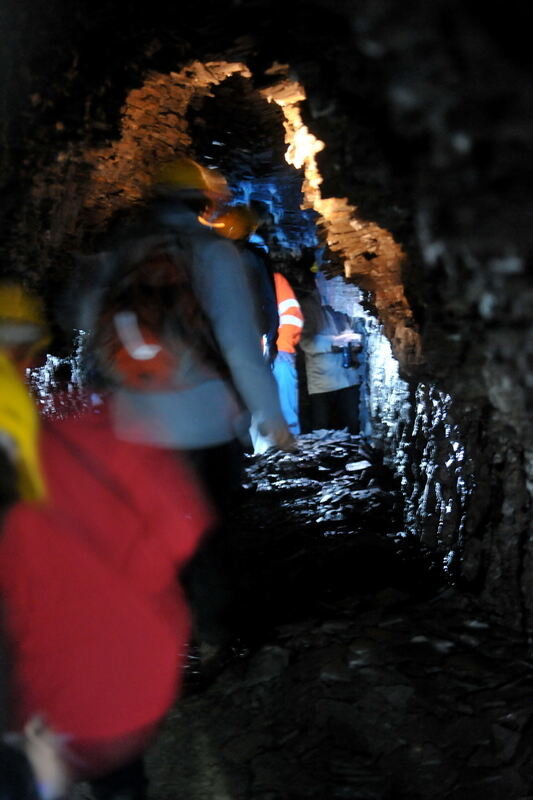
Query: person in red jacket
x=94, y=611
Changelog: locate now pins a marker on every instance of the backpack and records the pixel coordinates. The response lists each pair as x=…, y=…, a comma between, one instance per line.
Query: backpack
x=261, y=281
x=150, y=316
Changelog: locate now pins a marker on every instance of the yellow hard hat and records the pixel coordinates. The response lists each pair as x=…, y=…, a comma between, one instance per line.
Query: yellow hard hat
x=19, y=421
x=238, y=222
x=22, y=318
x=185, y=175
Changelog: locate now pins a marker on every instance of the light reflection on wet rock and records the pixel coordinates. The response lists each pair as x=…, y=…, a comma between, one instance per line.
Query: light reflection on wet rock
x=361, y=673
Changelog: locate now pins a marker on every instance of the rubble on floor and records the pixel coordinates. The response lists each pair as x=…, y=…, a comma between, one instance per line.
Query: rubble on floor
x=319, y=525
x=388, y=700
x=360, y=673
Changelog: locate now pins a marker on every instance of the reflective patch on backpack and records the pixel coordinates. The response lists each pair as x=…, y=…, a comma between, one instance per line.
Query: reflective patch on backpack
x=151, y=316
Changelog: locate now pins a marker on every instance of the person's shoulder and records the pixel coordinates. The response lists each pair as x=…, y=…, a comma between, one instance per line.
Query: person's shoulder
x=213, y=245
x=257, y=251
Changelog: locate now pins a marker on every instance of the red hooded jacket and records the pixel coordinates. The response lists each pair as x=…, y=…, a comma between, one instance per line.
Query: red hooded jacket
x=97, y=617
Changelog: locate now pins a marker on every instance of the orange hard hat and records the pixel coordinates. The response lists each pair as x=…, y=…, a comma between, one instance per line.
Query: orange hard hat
x=238, y=222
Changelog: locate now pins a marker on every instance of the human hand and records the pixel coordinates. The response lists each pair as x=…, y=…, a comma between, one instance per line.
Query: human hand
x=43, y=750
x=270, y=351
x=282, y=438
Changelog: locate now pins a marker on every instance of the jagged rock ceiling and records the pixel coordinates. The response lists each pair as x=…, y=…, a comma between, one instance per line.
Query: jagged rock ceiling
x=77, y=193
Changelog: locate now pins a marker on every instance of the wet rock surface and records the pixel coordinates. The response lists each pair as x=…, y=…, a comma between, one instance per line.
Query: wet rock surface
x=425, y=112
x=318, y=525
x=360, y=672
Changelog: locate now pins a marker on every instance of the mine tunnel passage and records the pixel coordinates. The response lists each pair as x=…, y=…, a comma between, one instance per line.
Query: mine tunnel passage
x=355, y=654
x=257, y=138
x=356, y=670
x=398, y=138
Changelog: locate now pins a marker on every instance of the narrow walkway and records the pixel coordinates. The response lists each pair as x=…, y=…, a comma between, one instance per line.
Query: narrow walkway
x=360, y=675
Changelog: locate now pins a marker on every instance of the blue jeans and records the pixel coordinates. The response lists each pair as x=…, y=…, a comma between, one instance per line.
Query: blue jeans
x=287, y=380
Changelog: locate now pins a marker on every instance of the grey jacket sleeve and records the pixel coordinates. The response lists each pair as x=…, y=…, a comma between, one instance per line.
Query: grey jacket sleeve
x=224, y=292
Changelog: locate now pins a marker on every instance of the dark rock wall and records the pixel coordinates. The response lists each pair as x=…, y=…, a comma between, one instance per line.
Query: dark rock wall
x=426, y=113
x=429, y=133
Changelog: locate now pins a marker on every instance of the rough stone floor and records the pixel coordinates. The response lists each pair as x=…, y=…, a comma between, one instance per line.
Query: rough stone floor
x=360, y=674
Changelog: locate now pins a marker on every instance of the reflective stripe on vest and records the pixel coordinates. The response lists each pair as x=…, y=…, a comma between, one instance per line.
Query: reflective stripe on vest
x=291, y=302
x=290, y=319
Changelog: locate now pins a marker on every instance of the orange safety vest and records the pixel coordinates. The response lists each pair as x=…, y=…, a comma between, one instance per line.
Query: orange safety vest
x=291, y=319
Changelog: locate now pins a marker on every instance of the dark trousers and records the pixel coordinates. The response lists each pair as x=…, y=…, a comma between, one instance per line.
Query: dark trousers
x=336, y=410
x=127, y=783
x=210, y=578
x=219, y=470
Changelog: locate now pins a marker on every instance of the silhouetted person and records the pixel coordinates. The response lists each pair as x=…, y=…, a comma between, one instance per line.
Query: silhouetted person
x=330, y=345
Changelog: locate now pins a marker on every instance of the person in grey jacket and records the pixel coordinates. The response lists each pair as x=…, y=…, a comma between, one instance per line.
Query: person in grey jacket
x=201, y=407
x=204, y=405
